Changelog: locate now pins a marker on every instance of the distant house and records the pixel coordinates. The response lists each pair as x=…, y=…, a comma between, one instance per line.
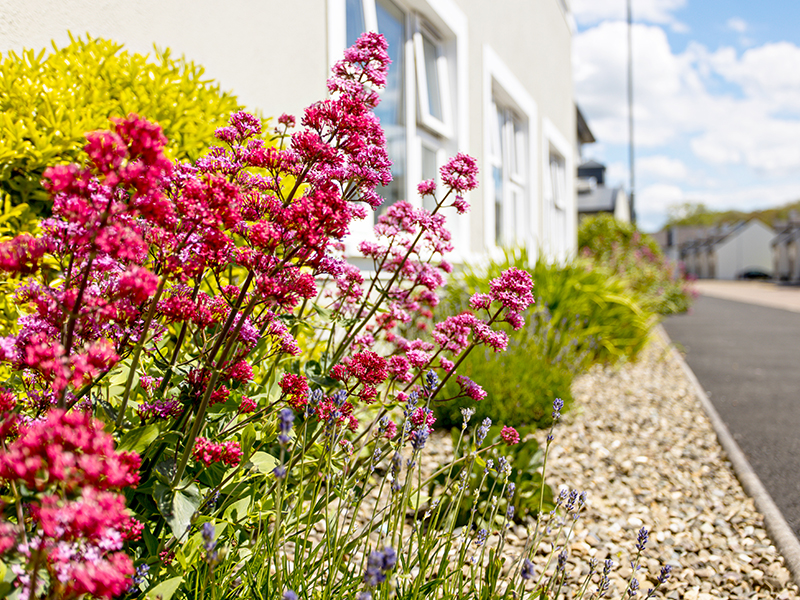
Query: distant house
x=786, y=262
x=595, y=198
x=729, y=252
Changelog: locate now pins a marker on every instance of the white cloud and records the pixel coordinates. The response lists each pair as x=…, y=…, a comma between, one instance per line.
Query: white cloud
x=757, y=128
x=736, y=24
x=662, y=167
x=591, y=12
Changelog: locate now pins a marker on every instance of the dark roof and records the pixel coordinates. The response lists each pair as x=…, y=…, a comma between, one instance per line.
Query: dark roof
x=600, y=199
x=591, y=164
x=585, y=135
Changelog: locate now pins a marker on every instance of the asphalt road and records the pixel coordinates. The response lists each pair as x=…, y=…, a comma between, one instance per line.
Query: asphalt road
x=747, y=358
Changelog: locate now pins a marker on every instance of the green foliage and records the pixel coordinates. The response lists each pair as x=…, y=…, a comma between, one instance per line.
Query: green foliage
x=657, y=284
x=49, y=101
x=583, y=315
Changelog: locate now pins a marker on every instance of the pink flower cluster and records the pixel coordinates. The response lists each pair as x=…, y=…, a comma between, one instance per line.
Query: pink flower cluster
x=80, y=522
x=208, y=452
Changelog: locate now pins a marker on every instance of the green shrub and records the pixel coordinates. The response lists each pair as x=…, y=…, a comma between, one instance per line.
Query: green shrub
x=583, y=315
x=49, y=101
x=636, y=257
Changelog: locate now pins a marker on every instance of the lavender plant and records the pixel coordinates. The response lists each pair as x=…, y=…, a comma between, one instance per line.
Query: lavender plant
x=163, y=433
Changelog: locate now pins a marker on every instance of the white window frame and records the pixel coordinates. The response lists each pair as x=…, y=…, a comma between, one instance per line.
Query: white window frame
x=444, y=17
x=499, y=83
x=560, y=245
x=443, y=126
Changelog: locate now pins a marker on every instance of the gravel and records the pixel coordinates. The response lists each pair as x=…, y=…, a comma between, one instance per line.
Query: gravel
x=637, y=441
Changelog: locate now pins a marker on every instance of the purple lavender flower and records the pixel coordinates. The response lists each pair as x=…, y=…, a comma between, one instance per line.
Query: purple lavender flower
x=289, y=595
x=562, y=560
x=527, y=570
x=558, y=404
x=641, y=539
x=285, y=424
x=379, y=564
x=480, y=540
x=483, y=430
x=666, y=571
x=208, y=536
x=633, y=589
x=512, y=487
x=431, y=380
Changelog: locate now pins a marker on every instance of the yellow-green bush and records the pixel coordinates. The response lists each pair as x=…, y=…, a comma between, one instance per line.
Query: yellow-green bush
x=48, y=101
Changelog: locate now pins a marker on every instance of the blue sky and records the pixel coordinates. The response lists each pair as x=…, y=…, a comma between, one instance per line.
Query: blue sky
x=717, y=100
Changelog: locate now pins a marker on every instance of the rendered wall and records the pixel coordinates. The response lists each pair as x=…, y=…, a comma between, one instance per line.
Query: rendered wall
x=746, y=249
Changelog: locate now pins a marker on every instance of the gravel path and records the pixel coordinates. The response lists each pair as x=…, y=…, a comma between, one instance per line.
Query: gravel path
x=638, y=442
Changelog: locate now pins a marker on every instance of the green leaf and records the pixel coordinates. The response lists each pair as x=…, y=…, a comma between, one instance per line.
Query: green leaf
x=177, y=508
x=137, y=440
x=165, y=589
x=248, y=439
x=264, y=462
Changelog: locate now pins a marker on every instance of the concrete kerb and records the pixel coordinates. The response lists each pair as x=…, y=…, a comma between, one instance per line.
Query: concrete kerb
x=777, y=527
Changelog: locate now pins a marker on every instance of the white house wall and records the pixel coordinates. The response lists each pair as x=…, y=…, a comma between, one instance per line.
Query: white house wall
x=744, y=250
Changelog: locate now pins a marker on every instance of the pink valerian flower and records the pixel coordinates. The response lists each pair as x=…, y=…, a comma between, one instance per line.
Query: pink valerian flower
x=422, y=417
x=7, y=400
x=460, y=205
x=391, y=430
x=446, y=364
x=207, y=452
x=510, y=436
x=286, y=120
x=70, y=450
x=23, y=254
x=160, y=409
x=247, y=406
x=367, y=367
x=80, y=540
x=460, y=173
x=331, y=412
x=470, y=389
x=400, y=368
x=427, y=187
x=240, y=371
x=295, y=390
x=418, y=358
x=453, y=333
x=513, y=290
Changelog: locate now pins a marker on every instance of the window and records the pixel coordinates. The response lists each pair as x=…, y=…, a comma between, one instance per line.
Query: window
x=559, y=215
x=433, y=80
x=510, y=213
x=556, y=194
x=508, y=161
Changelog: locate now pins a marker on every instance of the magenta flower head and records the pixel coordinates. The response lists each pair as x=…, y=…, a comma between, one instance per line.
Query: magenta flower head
x=427, y=187
x=510, y=436
x=460, y=173
x=513, y=289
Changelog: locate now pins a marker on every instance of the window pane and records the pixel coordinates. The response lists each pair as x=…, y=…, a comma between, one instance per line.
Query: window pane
x=497, y=175
x=391, y=110
x=355, y=21
x=432, y=79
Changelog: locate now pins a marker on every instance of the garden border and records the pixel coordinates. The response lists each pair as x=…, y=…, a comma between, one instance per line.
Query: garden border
x=776, y=525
